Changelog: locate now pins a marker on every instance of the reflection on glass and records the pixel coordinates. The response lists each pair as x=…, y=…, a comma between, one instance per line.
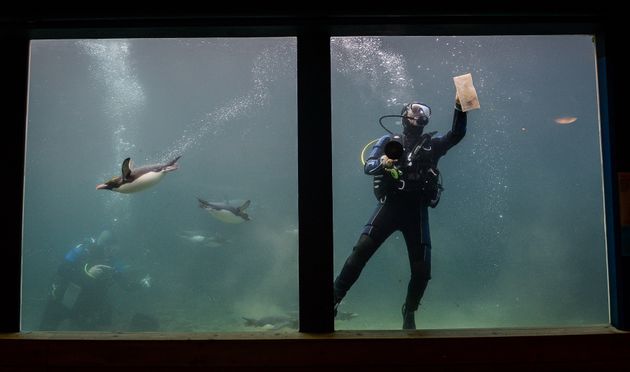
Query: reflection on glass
x=148, y=204
x=518, y=236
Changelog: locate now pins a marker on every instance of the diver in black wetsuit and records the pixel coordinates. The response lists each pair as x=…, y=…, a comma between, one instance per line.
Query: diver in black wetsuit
x=79, y=292
x=406, y=183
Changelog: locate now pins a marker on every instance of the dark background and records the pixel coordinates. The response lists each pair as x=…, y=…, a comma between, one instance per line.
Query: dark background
x=314, y=349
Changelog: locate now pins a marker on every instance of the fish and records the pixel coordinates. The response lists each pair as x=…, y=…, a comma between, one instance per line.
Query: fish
x=565, y=120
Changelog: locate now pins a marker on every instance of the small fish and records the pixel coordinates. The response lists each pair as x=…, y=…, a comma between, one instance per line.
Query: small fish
x=565, y=120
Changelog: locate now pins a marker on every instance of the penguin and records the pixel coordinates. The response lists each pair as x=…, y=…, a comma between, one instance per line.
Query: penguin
x=138, y=179
x=272, y=322
x=204, y=239
x=225, y=212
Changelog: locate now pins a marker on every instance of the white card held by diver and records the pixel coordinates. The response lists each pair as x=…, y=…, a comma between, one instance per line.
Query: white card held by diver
x=466, y=92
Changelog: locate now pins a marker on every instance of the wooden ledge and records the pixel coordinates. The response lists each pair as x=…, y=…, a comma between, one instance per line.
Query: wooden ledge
x=576, y=348
x=337, y=335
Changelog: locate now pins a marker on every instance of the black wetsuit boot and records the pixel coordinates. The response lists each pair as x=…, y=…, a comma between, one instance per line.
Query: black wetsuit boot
x=420, y=276
x=409, y=321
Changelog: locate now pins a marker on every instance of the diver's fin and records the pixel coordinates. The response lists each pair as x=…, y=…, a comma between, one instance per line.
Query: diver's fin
x=126, y=170
x=244, y=206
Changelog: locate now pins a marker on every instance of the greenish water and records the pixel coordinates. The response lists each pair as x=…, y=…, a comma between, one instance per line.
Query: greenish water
x=228, y=107
x=518, y=237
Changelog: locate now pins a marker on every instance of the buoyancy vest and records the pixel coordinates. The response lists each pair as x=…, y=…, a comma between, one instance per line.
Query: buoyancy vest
x=417, y=172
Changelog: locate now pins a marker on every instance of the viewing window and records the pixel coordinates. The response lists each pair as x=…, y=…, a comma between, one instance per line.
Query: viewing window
x=206, y=239
x=161, y=184
x=518, y=237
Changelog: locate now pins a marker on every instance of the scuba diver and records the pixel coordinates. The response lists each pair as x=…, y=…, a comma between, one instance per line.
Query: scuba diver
x=79, y=292
x=406, y=183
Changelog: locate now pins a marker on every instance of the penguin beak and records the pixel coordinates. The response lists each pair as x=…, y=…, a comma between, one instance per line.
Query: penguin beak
x=101, y=186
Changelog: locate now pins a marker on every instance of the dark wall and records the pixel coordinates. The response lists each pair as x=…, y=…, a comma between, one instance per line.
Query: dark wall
x=608, y=350
x=382, y=351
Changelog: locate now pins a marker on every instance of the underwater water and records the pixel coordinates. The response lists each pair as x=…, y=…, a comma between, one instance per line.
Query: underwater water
x=228, y=108
x=518, y=237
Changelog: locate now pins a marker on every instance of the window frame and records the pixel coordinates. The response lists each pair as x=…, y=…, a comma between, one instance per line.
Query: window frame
x=314, y=128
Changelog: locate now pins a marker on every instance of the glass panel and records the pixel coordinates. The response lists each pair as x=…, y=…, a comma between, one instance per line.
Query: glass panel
x=518, y=236
x=205, y=242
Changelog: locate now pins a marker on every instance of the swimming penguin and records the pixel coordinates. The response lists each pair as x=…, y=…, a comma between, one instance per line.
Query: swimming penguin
x=138, y=179
x=203, y=238
x=225, y=212
x=272, y=322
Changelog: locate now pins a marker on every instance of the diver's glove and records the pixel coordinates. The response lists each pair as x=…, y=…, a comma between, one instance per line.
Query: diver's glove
x=387, y=162
x=458, y=104
x=389, y=167
x=98, y=271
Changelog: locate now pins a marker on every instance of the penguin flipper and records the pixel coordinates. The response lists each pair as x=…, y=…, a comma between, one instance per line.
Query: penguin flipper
x=172, y=162
x=126, y=170
x=244, y=206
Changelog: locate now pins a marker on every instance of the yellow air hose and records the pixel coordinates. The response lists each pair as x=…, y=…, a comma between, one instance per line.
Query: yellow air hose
x=361, y=157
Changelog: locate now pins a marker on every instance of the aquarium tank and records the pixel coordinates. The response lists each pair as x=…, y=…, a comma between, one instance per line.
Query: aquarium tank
x=161, y=190
x=161, y=185
x=518, y=236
